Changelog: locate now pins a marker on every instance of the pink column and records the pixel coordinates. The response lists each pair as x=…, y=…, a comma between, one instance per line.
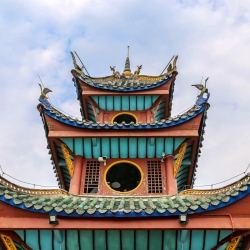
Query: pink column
x=171, y=185
x=75, y=182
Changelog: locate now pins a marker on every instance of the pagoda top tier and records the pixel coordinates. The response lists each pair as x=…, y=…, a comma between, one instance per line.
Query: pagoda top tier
x=125, y=81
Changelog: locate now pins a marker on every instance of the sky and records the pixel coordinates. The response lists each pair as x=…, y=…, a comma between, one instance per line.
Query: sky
x=212, y=40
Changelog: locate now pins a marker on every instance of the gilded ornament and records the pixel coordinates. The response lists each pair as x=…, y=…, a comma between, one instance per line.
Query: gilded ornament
x=179, y=159
x=68, y=160
x=234, y=243
x=9, y=244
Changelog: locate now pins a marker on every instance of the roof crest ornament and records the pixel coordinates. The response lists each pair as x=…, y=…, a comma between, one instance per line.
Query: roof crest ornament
x=43, y=97
x=200, y=98
x=78, y=69
x=127, y=70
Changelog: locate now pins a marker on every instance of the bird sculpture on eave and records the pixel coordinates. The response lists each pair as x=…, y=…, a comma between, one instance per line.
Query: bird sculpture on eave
x=43, y=97
x=202, y=88
x=200, y=99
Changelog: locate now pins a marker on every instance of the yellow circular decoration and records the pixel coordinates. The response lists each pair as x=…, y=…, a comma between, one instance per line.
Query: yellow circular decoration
x=123, y=161
x=125, y=113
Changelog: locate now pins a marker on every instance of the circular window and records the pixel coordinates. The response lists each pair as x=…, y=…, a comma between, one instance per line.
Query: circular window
x=123, y=176
x=125, y=117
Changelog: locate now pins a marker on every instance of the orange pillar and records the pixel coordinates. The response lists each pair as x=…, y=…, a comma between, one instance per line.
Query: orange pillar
x=75, y=182
x=171, y=185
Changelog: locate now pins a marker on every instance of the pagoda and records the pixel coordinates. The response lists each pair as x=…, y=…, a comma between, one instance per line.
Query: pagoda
x=126, y=172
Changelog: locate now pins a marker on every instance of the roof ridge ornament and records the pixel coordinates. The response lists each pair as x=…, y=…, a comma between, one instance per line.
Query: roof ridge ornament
x=78, y=69
x=127, y=70
x=43, y=97
x=200, y=98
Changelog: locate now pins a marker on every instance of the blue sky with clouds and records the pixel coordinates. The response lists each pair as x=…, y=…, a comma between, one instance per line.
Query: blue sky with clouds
x=212, y=39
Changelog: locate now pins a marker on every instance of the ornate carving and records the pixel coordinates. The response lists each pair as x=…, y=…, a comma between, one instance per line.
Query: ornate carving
x=179, y=159
x=174, y=63
x=68, y=159
x=116, y=74
x=137, y=72
x=234, y=243
x=215, y=191
x=31, y=191
x=9, y=244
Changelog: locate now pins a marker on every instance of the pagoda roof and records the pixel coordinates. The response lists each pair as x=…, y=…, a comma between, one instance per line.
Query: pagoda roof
x=138, y=83
x=163, y=123
x=63, y=203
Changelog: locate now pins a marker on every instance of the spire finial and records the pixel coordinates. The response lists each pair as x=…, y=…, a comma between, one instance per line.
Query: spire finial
x=127, y=71
x=128, y=48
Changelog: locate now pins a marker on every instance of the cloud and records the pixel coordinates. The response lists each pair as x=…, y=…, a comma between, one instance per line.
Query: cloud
x=211, y=39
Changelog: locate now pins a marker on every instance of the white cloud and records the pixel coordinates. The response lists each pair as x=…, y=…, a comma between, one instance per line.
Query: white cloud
x=211, y=39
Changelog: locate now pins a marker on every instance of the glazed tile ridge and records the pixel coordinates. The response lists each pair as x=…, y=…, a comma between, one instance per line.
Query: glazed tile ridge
x=62, y=203
x=163, y=123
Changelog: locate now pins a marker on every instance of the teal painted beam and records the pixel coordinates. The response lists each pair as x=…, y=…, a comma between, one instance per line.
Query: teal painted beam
x=148, y=102
x=169, y=242
x=31, y=239
x=140, y=103
x=72, y=240
x=114, y=148
x=127, y=239
x=159, y=147
x=169, y=149
x=114, y=241
x=132, y=147
x=87, y=148
x=125, y=103
x=78, y=146
x=117, y=103
x=100, y=240
x=142, y=147
x=102, y=102
x=68, y=142
x=105, y=147
x=133, y=103
x=141, y=239
x=150, y=148
x=46, y=239
x=123, y=147
x=97, y=148
x=110, y=101
x=155, y=239
x=86, y=239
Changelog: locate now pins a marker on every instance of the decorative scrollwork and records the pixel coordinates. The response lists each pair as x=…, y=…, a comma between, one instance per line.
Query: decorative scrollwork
x=9, y=244
x=68, y=159
x=179, y=159
x=234, y=243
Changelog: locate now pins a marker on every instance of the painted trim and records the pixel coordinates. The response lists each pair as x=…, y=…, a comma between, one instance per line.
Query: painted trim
x=125, y=113
x=123, y=161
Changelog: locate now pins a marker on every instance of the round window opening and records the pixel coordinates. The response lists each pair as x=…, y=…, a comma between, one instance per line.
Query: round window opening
x=123, y=177
x=127, y=118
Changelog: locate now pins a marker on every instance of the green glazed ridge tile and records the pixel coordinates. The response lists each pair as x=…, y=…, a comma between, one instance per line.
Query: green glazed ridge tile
x=215, y=202
x=80, y=211
x=47, y=208
x=226, y=198
x=161, y=210
x=17, y=201
x=69, y=210
x=58, y=209
x=38, y=207
x=183, y=209
x=243, y=188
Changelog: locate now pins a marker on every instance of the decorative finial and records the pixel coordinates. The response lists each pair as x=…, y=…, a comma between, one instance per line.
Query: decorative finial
x=128, y=49
x=127, y=70
x=43, y=97
x=200, y=99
